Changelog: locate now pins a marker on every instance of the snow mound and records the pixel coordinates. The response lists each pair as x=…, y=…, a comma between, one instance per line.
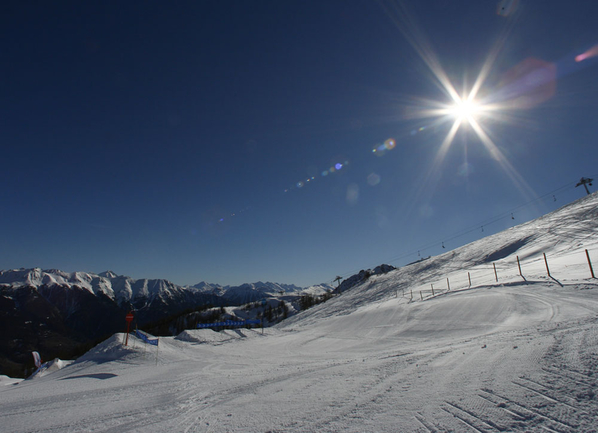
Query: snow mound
x=50, y=367
x=5, y=380
x=111, y=349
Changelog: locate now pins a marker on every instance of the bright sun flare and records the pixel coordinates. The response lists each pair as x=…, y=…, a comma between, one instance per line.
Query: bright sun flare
x=465, y=109
x=460, y=110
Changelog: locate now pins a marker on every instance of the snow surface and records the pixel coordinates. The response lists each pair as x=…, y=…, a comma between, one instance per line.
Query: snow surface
x=5, y=380
x=519, y=354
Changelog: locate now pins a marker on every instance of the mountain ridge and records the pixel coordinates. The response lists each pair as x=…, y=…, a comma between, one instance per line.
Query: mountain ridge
x=123, y=288
x=61, y=313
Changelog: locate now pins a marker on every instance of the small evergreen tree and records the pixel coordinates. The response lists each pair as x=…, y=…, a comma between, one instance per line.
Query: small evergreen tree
x=285, y=309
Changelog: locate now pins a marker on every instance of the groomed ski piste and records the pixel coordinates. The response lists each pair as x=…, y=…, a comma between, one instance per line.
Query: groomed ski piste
x=512, y=351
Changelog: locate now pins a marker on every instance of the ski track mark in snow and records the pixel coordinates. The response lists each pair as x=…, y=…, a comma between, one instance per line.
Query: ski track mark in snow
x=522, y=407
x=461, y=418
x=476, y=417
x=206, y=405
x=544, y=394
x=420, y=418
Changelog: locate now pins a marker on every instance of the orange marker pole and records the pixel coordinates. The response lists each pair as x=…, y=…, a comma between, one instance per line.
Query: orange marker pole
x=590, y=264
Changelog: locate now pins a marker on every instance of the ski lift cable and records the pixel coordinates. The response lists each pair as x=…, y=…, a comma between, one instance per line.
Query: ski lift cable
x=484, y=223
x=470, y=229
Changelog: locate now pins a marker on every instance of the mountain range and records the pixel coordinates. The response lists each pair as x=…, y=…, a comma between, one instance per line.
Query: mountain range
x=64, y=313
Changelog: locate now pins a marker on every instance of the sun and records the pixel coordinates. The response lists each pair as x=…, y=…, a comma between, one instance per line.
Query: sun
x=464, y=109
x=467, y=111
x=476, y=107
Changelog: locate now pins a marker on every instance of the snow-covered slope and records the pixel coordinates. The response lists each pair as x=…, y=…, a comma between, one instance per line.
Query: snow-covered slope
x=249, y=292
x=5, y=380
x=518, y=354
x=562, y=236
x=318, y=289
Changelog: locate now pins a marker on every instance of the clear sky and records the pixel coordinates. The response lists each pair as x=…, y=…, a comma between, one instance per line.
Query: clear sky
x=233, y=141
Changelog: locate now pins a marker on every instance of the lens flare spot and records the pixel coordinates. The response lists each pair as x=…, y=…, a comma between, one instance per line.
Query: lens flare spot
x=527, y=84
x=300, y=184
x=352, y=194
x=390, y=144
x=325, y=173
x=338, y=166
x=373, y=179
x=379, y=150
x=592, y=52
x=312, y=170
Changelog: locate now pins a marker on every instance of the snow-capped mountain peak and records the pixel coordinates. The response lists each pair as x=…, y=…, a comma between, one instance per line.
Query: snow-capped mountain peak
x=108, y=274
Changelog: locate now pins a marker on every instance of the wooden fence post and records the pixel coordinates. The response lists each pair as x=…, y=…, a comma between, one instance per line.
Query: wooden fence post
x=469, y=276
x=432, y=289
x=448, y=284
x=420, y=295
x=590, y=264
x=495, y=274
x=519, y=266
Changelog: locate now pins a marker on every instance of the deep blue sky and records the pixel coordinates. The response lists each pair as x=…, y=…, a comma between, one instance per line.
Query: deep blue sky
x=157, y=139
